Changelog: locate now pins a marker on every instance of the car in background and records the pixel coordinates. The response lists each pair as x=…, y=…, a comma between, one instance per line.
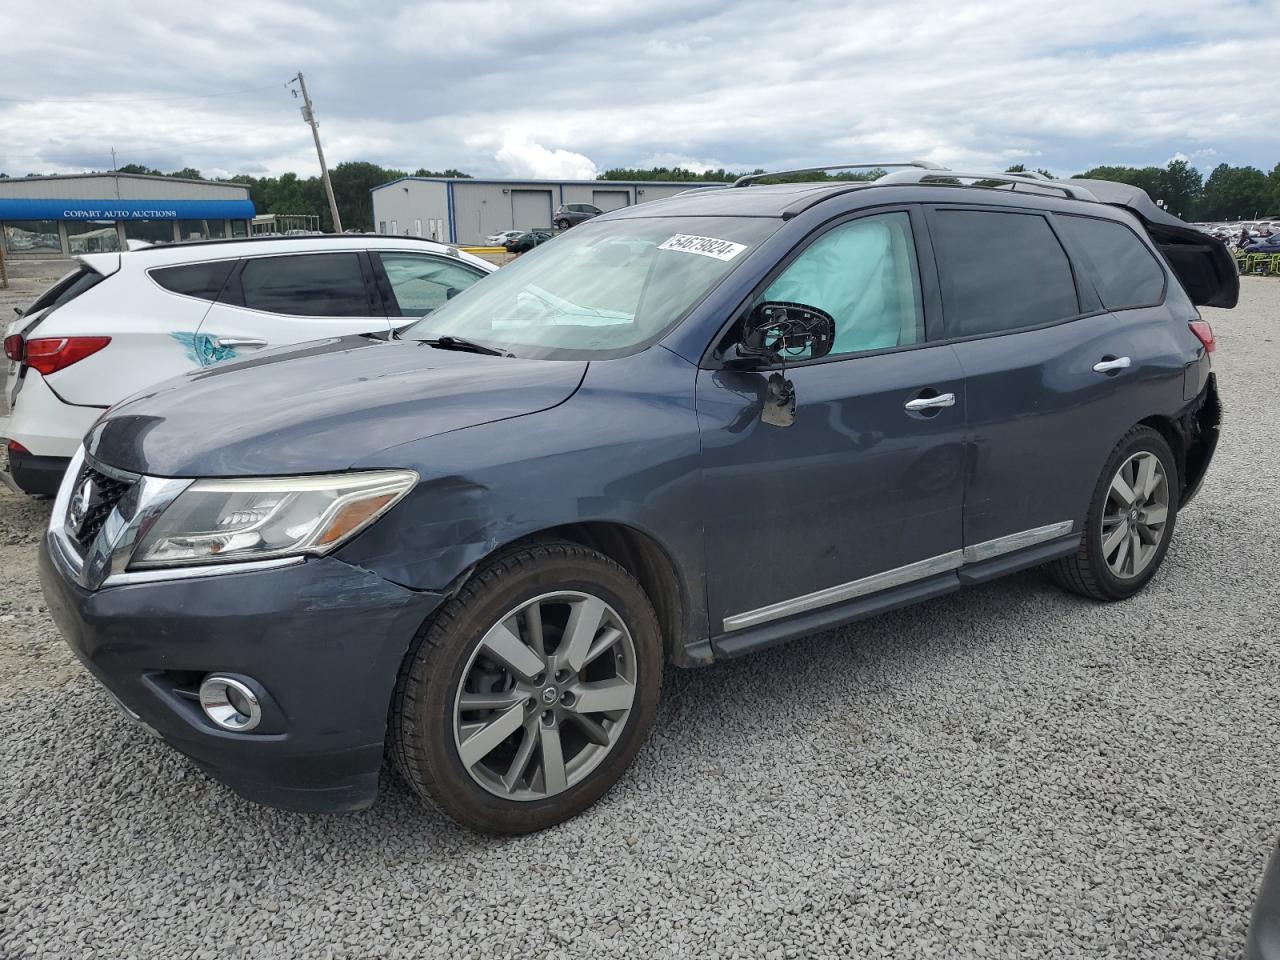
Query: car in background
x=527, y=241
x=122, y=321
x=500, y=239
x=1269, y=244
x=571, y=214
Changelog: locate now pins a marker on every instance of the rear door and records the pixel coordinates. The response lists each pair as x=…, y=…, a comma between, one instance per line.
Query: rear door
x=1049, y=372
x=274, y=300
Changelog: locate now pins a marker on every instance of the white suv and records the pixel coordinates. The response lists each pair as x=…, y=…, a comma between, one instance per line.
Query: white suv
x=122, y=321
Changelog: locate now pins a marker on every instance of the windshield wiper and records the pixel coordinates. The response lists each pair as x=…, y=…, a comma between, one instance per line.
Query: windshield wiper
x=467, y=346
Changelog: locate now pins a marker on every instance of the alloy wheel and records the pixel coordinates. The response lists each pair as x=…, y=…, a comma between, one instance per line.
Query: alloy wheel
x=1135, y=515
x=545, y=696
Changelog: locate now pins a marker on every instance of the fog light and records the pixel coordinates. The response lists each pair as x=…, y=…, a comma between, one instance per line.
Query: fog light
x=230, y=704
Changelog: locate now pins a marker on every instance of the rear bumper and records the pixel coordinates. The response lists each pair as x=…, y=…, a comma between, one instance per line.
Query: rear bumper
x=31, y=474
x=46, y=426
x=322, y=641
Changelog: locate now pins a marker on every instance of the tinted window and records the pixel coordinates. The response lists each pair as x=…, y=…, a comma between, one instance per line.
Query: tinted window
x=66, y=289
x=1000, y=271
x=203, y=280
x=864, y=274
x=308, y=285
x=420, y=284
x=1123, y=270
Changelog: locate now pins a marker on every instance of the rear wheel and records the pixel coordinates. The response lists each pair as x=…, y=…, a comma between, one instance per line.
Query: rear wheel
x=562, y=224
x=1130, y=521
x=529, y=693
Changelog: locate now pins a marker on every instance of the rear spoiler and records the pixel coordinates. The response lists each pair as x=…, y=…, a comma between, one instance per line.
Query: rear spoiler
x=1204, y=265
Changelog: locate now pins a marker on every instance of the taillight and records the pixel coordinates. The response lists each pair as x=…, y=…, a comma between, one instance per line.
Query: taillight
x=13, y=347
x=1204, y=333
x=50, y=354
x=16, y=447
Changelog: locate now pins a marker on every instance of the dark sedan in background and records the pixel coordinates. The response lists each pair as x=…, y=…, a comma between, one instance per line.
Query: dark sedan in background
x=526, y=241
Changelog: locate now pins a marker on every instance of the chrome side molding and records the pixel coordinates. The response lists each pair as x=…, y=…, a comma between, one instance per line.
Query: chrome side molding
x=900, y=576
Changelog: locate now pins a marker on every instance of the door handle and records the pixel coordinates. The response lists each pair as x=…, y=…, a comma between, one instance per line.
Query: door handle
x=1115, y=363
x=932, y=403
x=238, y=342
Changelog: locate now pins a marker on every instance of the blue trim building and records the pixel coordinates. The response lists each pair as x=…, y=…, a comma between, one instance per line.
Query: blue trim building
x=54, y=217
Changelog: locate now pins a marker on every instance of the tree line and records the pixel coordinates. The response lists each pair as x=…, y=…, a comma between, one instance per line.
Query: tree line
x=1228, y=193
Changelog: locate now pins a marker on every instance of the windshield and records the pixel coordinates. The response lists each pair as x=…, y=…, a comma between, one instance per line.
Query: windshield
x=603, y=289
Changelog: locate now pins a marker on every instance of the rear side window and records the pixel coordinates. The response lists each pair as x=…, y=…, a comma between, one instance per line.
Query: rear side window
x=1123, y=270
x=202, y=280
x=306, y=285
x=1001, y=272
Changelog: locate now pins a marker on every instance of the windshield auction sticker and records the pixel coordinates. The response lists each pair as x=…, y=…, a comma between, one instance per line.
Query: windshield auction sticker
x=703, y=246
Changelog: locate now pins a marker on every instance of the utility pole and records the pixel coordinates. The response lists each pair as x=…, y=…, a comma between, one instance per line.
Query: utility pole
x=309, y=115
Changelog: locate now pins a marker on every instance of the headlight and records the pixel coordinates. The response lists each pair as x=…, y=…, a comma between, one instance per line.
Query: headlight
x=218, y=521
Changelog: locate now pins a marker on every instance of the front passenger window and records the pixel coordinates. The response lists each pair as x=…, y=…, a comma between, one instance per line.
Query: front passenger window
x=421, y=284
x=864, y=274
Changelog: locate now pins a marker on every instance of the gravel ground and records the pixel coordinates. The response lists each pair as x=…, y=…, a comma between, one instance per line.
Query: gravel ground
x=1006, y=772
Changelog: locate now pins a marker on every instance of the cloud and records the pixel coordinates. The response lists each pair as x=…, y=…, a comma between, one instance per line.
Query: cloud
x=562, y=88
x=519, y=156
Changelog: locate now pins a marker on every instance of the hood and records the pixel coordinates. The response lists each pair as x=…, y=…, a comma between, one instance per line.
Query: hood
x=1204, y=265
x=320, y=406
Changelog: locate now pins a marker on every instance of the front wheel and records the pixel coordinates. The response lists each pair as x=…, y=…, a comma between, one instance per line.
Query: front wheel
x=1130, y=521
x=528, y=694
x=562, y=224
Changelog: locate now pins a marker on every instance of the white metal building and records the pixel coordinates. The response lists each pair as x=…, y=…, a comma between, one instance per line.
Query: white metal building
x=91, y=213
x=461, y=210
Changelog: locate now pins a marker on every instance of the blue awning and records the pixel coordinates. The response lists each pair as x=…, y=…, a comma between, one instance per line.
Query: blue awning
x=39, y=209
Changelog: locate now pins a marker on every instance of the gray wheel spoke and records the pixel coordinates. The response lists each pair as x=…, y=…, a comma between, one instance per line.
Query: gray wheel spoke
x=603, y=696
x=1148, y=476
x=520, y=762
x=1122, y=491
x=553, y=772
x=505, y=646
x=481, y=743
x=491, y=701
x=595, y=732
x=1112, y=540
x=1135, y=552
x=580, y=632
x=608, y=637
x=1154, y=515
x=1122, y=554
x=533, y=623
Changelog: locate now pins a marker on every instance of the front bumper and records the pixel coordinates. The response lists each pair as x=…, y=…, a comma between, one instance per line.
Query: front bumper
x=324, y=641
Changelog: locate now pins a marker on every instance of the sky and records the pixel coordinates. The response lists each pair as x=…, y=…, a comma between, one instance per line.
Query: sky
x=565, y=89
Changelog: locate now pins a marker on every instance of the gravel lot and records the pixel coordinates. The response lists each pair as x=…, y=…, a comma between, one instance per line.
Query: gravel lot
x=1006, y=772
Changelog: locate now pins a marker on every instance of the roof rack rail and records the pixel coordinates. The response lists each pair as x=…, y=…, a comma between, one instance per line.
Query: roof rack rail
x=939, y=177
x=753, y=177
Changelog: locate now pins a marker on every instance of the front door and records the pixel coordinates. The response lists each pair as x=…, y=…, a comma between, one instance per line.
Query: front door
x=861, y=492
x=270, y=301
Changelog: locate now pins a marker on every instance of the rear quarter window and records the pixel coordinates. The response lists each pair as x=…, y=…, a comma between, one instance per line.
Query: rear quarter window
x=1123, y=270
x=201, y=280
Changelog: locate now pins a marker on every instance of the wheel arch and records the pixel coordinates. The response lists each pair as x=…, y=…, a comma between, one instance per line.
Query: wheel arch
x=1192, y=435
x=646, y=559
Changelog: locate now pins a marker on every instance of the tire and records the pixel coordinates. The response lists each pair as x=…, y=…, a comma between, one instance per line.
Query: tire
x=1092, y=570
x=453, y=662
x=563, y=224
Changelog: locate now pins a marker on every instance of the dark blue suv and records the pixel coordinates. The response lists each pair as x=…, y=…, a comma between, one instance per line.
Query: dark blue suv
x=683, y=431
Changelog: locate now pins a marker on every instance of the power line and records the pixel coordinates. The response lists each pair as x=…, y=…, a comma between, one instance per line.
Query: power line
x=196, y=96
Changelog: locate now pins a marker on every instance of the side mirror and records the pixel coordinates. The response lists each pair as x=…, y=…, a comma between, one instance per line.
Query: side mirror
x=776, y=331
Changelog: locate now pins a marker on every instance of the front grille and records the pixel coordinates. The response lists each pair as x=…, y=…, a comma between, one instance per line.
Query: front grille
x=93, y=498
